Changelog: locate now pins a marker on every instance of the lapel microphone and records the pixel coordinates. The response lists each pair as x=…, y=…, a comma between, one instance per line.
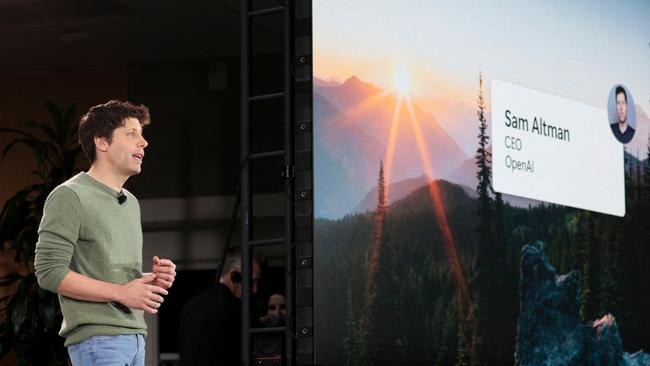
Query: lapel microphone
x=121, y=197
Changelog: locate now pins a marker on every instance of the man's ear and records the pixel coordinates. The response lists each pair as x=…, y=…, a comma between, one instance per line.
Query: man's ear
x=101, y=143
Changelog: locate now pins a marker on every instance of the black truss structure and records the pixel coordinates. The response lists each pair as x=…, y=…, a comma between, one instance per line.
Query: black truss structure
x=297, y=116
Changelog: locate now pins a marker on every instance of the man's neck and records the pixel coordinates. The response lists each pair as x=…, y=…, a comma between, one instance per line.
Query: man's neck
x=226, y=282
x=107, y=177
x=622, y=126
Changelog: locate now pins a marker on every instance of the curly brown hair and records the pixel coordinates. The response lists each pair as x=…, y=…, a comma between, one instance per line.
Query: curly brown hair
x=101, y=120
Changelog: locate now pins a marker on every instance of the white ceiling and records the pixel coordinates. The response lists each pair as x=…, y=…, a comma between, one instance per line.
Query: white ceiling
x=54, y=35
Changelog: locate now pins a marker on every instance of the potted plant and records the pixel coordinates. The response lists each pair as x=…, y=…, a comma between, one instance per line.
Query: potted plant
x=32, y=315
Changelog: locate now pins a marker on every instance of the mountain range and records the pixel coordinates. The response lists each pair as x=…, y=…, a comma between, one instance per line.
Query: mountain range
x=399, y=190
x=352, y=126
x=353, y=121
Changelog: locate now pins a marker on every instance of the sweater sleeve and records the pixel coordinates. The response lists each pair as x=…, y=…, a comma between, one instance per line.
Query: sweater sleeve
x=58, y=234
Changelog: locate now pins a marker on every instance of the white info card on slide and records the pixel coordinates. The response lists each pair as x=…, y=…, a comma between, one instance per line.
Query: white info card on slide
x=554, y=149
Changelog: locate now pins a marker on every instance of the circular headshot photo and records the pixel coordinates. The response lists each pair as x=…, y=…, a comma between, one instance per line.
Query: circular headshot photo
x=622, y=116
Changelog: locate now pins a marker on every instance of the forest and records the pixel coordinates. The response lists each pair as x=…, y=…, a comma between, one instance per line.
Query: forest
x=409, y=284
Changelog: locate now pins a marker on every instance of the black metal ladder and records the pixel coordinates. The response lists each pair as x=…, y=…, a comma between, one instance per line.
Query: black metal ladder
x=296, y=116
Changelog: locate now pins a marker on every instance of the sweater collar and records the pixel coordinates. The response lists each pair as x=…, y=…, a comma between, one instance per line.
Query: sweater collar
x=99, y=185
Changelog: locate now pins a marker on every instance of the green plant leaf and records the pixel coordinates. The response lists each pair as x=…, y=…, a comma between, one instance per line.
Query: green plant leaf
x=47, y=308
x=10, y=279
x=35, y=144
x=17, y=310
x=20, y=132
x=16, y=210
x=31, y=313
x=3, y=306
x=69, y=126
x=41, y=175
x=49, y=132
x=26, y=244
x=70, y=157
x=57, y=118
x=7, y=342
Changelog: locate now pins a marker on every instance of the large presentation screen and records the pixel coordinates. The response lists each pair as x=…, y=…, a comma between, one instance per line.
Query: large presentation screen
x=482, y=183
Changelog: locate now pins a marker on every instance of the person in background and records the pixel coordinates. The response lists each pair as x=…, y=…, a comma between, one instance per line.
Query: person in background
x=276, y=314
x=210, y=323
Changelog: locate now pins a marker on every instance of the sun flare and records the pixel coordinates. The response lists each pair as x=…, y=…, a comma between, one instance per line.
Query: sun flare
x=402, y=81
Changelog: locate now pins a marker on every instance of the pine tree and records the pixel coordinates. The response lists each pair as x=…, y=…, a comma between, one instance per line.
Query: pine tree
x=589, y=251
x=379, y=219
x=630, y=261
x=505, y=289
x=372, y=316
x=610, y=281
x=462, y=351
x=484, y=276
x=350, y=343
x=385, y=318
x=447, y=336
x=382, y=198
x=646, y=167
x=484, y=187
x=484, y=174
x=636, y=298
x=643, y=237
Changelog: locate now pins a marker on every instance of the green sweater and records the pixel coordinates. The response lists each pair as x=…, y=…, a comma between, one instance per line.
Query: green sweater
x=84, y=229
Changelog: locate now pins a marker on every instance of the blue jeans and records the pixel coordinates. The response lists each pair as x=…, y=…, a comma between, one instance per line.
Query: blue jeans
x=127, y=350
